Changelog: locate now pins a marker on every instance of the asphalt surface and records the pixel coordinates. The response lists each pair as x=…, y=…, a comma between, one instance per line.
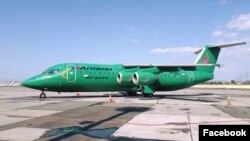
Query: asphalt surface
x=91, y=116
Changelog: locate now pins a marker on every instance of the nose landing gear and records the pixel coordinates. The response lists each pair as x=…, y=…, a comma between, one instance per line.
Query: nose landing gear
x=43, y=95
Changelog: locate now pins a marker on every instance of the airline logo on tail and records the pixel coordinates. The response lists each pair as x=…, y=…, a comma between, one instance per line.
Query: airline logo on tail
x=204, y=60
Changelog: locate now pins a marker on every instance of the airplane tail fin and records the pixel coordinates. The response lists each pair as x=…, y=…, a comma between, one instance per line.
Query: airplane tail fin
x=209, y=55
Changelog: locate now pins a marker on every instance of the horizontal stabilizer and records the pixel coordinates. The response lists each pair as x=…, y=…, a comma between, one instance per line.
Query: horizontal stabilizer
x=229, y=45
x=221, y=46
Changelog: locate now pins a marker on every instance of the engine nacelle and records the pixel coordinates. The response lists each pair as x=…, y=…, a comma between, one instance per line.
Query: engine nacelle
x=143, y=78
x=125, y=78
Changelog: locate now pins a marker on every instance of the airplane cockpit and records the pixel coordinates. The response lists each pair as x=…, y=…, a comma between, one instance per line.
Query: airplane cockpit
x=51, y=71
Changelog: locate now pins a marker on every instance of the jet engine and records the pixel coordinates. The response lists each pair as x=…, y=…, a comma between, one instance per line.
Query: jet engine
x=143, y=78
x=125, y=78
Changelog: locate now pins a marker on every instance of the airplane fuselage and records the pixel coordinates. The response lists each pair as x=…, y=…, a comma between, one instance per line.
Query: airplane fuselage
x=75, y=77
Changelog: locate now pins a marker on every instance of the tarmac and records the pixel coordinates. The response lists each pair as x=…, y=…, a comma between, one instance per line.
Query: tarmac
x=91, y=116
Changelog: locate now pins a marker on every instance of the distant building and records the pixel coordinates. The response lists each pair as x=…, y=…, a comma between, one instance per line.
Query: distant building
x=10, y=83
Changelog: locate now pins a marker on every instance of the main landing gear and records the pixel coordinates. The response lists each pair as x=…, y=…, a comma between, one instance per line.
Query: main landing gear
x=147, y=91
x=132, y=93
x=147, y=95
x=43, y=95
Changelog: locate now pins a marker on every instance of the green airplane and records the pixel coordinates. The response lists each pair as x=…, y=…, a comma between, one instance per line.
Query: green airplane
x=77, y=77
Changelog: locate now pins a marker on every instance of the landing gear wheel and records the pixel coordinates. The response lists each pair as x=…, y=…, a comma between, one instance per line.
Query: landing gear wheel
x=144, y=94
x=150, y=95
x=42, y=95
x=147, y=94
x=132, y=93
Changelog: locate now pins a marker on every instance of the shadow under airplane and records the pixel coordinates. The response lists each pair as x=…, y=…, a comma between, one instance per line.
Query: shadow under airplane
x=90, y=129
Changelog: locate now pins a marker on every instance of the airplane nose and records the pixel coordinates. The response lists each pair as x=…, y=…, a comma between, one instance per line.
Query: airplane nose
x=27, y=83
x=34, y=82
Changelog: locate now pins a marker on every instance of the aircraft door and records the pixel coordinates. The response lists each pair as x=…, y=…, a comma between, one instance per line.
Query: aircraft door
x=191, y=77
x=71, y=74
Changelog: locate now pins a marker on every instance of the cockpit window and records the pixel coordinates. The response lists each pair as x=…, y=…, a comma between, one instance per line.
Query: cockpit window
x=53, y=71
x=56, y=71
x=45, y=72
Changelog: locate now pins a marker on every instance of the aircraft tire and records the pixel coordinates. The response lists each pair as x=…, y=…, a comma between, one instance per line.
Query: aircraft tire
x=147, y=94
x=132, y=93
x=42, y=95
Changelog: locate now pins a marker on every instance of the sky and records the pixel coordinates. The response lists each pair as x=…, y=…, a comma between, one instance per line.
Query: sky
x=36, y=34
